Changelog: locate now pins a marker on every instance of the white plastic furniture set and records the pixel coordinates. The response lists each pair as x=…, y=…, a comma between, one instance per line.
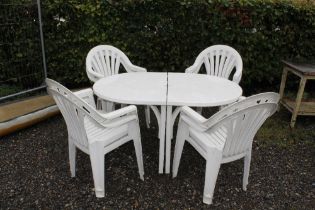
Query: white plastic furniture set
x=97, y=129
x=163, y=91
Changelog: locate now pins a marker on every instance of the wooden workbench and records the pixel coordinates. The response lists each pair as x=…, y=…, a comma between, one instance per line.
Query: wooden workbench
x=298, y=106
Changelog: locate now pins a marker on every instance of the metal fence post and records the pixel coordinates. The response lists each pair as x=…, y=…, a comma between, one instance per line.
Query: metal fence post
x=28, y=74
x=42, y=37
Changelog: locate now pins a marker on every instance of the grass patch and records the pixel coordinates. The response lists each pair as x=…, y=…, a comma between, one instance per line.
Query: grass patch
x=276, y=131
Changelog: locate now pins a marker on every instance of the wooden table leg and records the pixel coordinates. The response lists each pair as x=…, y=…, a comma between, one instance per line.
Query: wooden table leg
x=282, y=85
x=298, y=101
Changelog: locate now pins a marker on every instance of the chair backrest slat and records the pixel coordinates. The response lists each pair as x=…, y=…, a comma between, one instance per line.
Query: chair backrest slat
x=228, y=66
x=221, y=63
x=217, y=63
x=212, y=64
x=107, y=61
x=99, y=63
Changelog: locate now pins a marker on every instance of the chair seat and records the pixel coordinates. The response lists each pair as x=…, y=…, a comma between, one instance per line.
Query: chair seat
x=98, y=133
x=216, y=140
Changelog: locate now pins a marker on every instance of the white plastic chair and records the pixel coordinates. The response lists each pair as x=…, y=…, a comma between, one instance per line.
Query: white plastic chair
x=225, y=137
x=94, y=133
x=103, y=61
x=219, y=60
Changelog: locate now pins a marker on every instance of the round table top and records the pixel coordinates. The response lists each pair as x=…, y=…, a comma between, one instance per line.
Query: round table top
x=201, y=90
x=144, y=88
x=176, y=89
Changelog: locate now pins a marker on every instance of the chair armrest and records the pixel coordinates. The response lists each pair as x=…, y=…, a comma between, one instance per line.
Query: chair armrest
x=241, y=98
x=128, y=110
x=193, y=118
x=238, y=73
x=192, y=69
x=134, y=68
x=193, y=114
x=88, y=92
x=237, y=77
x=117, y=117
x=86, y=95
x=94, y=76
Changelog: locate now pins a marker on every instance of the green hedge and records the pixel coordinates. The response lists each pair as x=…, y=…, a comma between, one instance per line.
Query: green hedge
x=20, y=50
x=168, y=35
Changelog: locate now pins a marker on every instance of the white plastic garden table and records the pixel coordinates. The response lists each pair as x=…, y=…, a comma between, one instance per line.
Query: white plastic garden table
x=167, y=90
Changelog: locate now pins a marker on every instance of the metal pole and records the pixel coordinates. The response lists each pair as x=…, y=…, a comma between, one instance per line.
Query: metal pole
x=22, y=92
x=42, y=37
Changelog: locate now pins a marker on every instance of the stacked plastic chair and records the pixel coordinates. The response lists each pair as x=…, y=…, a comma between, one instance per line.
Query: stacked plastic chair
x=95, y=133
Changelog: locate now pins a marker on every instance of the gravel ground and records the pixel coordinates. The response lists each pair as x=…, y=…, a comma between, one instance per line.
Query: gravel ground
x=35, y=174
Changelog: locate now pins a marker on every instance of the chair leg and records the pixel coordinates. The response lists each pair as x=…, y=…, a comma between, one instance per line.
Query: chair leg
x=199, y=110
x=147, y=116
x=98, y=169
x=72, y=156
x=99, y=104
x=134, y=132
x=182, y=133
x=138, y=148
x=212, y=170
x=110, y=106
x=247, y=160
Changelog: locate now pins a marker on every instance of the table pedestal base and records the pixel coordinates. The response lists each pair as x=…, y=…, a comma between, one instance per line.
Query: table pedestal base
x=166, y=119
